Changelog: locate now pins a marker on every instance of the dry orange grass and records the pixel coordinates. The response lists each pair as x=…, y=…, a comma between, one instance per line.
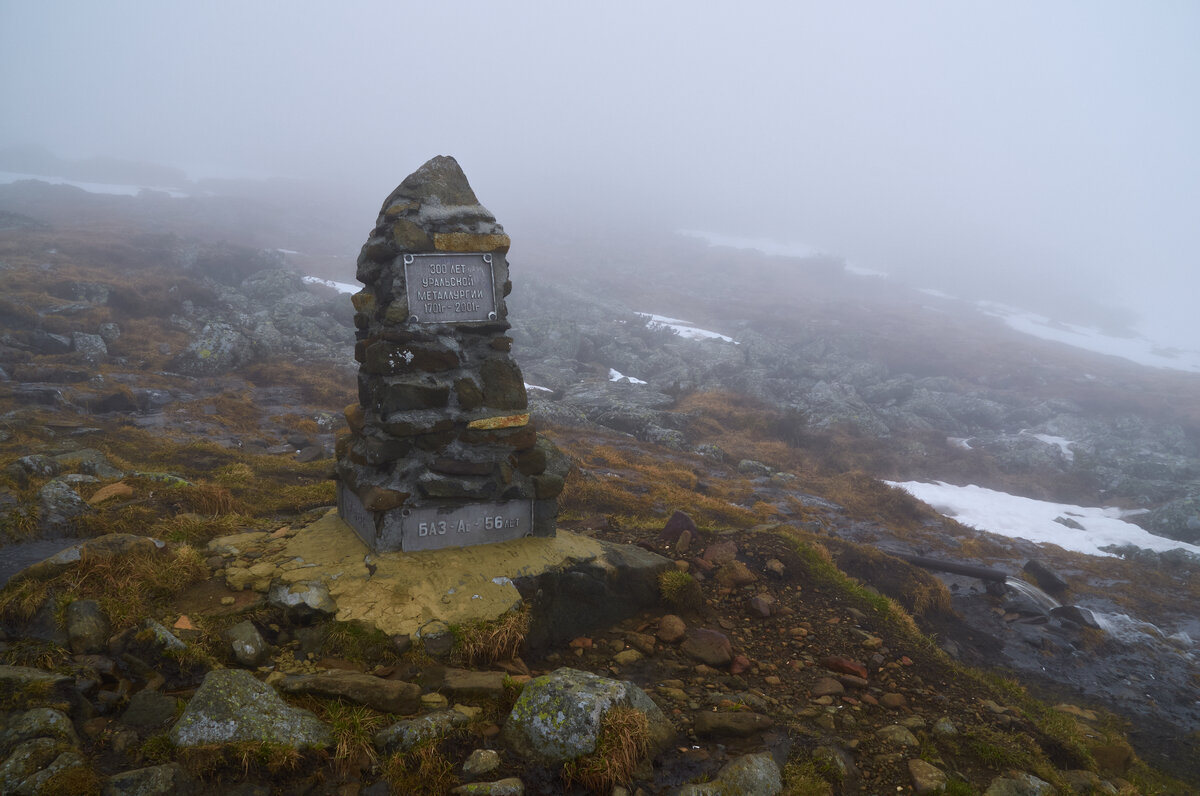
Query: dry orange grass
x=622, y=741
x=642, y=485
x=128, y=588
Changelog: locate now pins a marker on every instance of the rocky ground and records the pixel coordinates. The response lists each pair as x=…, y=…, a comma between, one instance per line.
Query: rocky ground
x=160, y=389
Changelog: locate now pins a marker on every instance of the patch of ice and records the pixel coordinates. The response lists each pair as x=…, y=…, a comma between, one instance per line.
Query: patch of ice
x=616, y=375
x=1025, y=518
x=529, y=386
x=960, y=442
x=341, y=287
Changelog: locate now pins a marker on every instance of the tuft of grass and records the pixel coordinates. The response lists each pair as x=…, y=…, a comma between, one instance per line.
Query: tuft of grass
x=209, y=760
x=487, y=642
x=37, y=654
x=360, y=643
x=621, y=743
x=424, y=769
x=680, y=589
x=20, y=523
x=354, y=727
x=806, y=779
x=197, y=529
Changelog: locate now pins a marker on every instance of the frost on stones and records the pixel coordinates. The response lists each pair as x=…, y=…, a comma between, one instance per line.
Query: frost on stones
x=441, y=451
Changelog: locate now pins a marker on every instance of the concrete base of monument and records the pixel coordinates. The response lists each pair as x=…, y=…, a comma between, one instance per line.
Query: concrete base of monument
x=571, y=582
x=444, y=525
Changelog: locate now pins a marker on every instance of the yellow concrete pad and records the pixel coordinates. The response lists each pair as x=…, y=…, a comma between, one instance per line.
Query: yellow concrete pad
x=456, y=585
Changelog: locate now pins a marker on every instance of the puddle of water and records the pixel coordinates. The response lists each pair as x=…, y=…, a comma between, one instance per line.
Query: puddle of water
x=15, y=557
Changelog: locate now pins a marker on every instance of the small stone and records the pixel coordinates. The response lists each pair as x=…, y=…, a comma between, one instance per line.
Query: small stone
x=480, y=763
x=676, y=525
x=762, y=605
x=510, y=786
x=87, y=627
x=735, y=574
x=627, y=657
x=827, y=686
x=708, y=646
x=844, y=666
x=434, y=701
x=944, y=728
x=249, y=648
x=671, y=629
x=110, y=492
x=685, y=542
x=894, y=733
x=740, y=664
x=738, y=724
x=641, y=642
x=775, y=568
x=893, y=701
x=926, y=778
x=721, y=553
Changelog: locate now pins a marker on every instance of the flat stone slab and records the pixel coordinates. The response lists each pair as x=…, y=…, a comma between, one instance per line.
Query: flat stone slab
x=400, y=592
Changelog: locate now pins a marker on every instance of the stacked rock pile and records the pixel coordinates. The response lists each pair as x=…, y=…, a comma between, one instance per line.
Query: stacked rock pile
x=441, y=451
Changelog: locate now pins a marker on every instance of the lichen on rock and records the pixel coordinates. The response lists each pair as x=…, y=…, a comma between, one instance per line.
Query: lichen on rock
x=557, y=717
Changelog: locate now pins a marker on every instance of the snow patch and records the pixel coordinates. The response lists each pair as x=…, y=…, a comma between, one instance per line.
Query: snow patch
x=616, y=375
x=1062, y=443
x=529, y=386
x=1135, y=348
x=1025, y=518
x=341, y=287
x=683, y=328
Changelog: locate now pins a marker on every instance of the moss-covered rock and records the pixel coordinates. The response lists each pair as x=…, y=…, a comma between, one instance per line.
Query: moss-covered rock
x=557, y=717
x=232, y=706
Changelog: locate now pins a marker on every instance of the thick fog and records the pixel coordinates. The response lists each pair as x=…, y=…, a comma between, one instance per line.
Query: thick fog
x=990, y=149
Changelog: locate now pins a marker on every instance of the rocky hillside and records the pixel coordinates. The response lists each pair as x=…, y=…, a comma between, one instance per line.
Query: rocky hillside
x=170, y=411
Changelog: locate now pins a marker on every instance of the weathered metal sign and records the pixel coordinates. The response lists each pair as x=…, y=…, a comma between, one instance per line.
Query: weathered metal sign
x=435, y=527
x=450, y=288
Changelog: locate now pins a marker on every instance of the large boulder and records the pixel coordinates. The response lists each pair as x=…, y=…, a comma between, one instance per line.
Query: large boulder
x=231, y=705
x=1178, y=520
x=217, y=349
x=59, y=508
x=558, y=716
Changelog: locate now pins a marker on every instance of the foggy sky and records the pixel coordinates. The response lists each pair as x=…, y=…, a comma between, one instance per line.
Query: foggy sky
x=993, y=147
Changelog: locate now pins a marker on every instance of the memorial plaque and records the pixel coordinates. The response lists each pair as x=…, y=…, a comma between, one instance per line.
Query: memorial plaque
x=450, y=288
x=434, y=527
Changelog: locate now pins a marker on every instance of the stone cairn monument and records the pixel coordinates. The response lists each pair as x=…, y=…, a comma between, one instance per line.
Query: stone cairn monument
x=441, y=451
